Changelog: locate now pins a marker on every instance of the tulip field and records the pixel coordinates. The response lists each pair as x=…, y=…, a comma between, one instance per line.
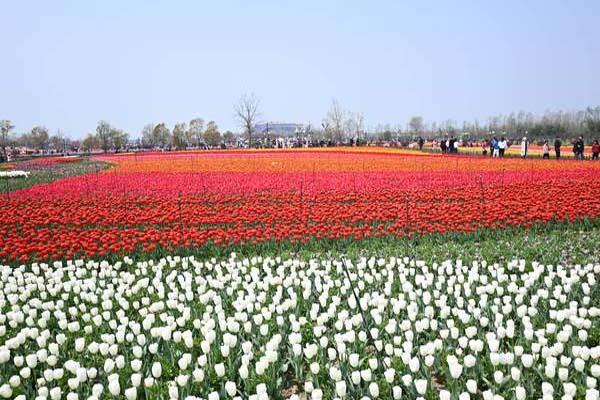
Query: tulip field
x=270, y=328
x=356, y=273
x=168, y=202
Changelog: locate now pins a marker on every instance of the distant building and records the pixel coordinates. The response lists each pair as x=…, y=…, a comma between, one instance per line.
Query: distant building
x=278, y=128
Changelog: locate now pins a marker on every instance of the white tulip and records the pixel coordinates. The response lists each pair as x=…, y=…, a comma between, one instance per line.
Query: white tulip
x=97, y=389
x=527, y=360
x=230, y=388
x=421, y=386
x=55, y=393
x=174, y=392
x=340, y=389
x=389, y=375
x=550, y=371
x=455, y=370
x=136, y=365
x=109, y=365
x=220, y=370
x=331, y=354
x=136, y=379
x=470, y=361
x=79, y=344
x=114, y=388
x=515, y=374
x=72, y=396
x=15, y=381
x=414, y=364
x=563, y=374
x=570, y=389
x=365, y=375
x=335, y=374
x=6, y=392
x=472, y=386
x=156, y=369
x=547, y=388
x=131, y=393
x=374, y=389
x=73, y=383
x=355, y=377
x=592, y=394
x=373, y=363
x=243, y=372
x=314, y=368
x=182, y=380
x=213, y=396
x=520, y=393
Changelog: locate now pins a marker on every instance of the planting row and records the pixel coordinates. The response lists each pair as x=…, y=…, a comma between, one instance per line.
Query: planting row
x=263, y=328
x=154, y=201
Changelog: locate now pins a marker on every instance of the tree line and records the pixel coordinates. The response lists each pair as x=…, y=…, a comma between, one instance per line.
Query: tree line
x=37, y=138
x=337, y=126
x=551, y=124
x=110, y=138
x=182, y=136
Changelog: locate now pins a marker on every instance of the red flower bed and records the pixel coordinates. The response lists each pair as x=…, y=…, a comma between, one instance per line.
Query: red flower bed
x=49, y=161
x=189, y=199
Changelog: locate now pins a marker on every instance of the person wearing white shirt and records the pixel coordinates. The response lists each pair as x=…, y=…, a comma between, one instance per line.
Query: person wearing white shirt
x=524, y=147
x=502, y=145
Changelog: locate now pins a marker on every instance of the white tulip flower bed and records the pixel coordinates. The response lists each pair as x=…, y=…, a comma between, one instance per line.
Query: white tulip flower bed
x=266, y=328
x=14, y=174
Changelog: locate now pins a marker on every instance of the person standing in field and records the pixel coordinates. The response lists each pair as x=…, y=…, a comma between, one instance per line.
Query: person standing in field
x=484, y=147
x=443, y=145
x=421, y=143
x=502, y=145
x=595, y=149
x=579, y=148
x=524, y=147
x=546, y=150
x=495, y=148
x=557, y=144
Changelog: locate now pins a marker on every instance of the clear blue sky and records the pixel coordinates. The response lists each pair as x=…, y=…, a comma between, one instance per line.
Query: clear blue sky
x=68, y=64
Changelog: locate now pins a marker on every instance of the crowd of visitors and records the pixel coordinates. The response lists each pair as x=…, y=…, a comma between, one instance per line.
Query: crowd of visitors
x=449, y=145
x=497, y=148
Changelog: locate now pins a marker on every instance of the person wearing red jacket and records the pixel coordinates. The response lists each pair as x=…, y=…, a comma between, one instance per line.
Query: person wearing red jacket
x=595, y=150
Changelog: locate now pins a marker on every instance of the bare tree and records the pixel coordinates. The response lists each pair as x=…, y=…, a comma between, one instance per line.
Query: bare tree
x=90, y=142
x=196, y=130
x=247, y=112
x=333, y=124
x=147, y=138
x=180, y=138
x=212, y=136
x=416, y=125
x=355, y=124
x=39, y=137
x=161, y=135
x=119, y=139
x=592, y=119
x=103, y=133
x=5, y=127
x=228, y=137
x=58, y=142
